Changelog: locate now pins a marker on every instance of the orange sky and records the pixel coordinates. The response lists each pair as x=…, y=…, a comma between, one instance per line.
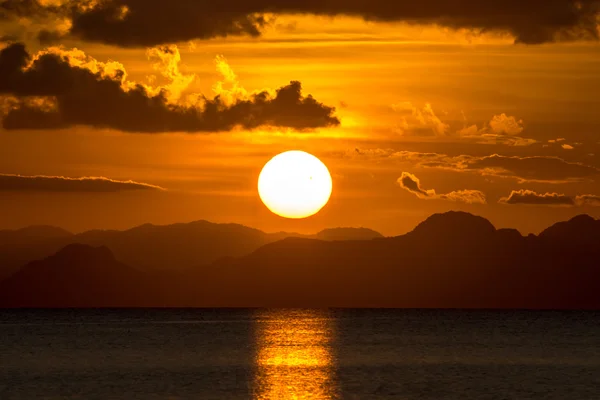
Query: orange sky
x=456, y=109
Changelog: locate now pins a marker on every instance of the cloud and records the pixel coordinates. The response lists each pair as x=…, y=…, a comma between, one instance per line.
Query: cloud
x=588, y=200
x=84, y=91
x=42, y=183
x=412, y=184
x=228, y=88
x=567, y=147
x=532, y=169
x=529, y=197
x=167, y=59
x=143, y=23
x=502, y=129
x=503, y=124
x=544, y=169
x=419, y=121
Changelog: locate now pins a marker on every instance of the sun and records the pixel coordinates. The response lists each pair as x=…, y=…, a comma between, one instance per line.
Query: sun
x=294, y=184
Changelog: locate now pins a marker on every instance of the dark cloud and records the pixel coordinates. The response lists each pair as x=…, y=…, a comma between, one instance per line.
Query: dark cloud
x=95, y=94
x=41, y=183
x=532, y=169
x=152, y=22
x=550, y=199
x=532, y=198
x=10, y=9
x=588, y=200
x=412, y=184
x=533, y=21
x=8, y=38
x=48, y=37
x=524, y=169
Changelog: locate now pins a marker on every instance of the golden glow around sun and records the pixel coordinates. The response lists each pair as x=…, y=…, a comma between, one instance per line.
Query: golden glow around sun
x=294, y=184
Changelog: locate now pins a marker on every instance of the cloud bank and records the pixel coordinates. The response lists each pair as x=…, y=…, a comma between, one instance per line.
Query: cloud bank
x=57, y=89
x=138, y=23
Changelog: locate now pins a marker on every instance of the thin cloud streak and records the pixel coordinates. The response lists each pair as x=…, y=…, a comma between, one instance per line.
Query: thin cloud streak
x=44, y=183
x=543, y=169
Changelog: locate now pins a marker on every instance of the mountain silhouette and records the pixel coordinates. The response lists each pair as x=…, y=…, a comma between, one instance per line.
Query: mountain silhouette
x=451, y=260
x=579, y=231
x=77, y=275
x=154, y=247
x=449, y=224
x=35, y=232
x=17, y=247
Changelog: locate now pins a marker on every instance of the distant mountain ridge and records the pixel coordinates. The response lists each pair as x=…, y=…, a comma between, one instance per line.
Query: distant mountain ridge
x=20, y=246
x=154, y=247
x=79, y=276
x=451, y=260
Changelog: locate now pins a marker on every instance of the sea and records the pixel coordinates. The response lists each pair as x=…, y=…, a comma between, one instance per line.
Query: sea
x=299, y=354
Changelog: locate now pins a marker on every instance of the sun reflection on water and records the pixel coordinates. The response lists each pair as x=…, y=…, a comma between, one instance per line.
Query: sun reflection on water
x=294, y=358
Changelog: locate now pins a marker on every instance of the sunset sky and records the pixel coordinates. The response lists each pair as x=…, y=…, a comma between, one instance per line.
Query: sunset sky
x=119, y=113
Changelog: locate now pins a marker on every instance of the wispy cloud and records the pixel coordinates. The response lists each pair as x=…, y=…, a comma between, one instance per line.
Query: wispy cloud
x=412, y=184
x=43, y=183
x=545, y=169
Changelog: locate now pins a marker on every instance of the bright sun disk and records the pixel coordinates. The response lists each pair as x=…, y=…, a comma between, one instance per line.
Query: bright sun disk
x=294, y=184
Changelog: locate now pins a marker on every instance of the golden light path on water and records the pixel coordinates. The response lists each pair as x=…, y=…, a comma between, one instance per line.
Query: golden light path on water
x=294, y=356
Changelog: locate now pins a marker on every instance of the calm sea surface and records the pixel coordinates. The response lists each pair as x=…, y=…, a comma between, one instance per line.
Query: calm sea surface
x=299, y=354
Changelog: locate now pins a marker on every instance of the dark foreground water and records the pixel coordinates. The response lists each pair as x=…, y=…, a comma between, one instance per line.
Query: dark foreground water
x=299, y=354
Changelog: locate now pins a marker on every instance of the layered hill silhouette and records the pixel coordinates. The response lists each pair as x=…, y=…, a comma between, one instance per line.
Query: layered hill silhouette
x=18, y=247
x=154, y=247
x=451, y=260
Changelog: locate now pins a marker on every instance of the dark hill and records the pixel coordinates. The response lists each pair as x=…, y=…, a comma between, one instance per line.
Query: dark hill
x=451, y=260
x=153, y=247
x=451, y=223
x=579, y=231
x=36, y=232
x=18, y=247
x=76, y=276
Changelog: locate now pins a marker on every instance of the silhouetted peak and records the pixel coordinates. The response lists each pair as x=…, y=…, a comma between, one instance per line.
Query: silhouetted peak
x=344, y=233
x=199, y=225
x=582, y=219
x=453, y=224
x=40, y=231
x=81, y=253
x=580, y=227
x=75, y=261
